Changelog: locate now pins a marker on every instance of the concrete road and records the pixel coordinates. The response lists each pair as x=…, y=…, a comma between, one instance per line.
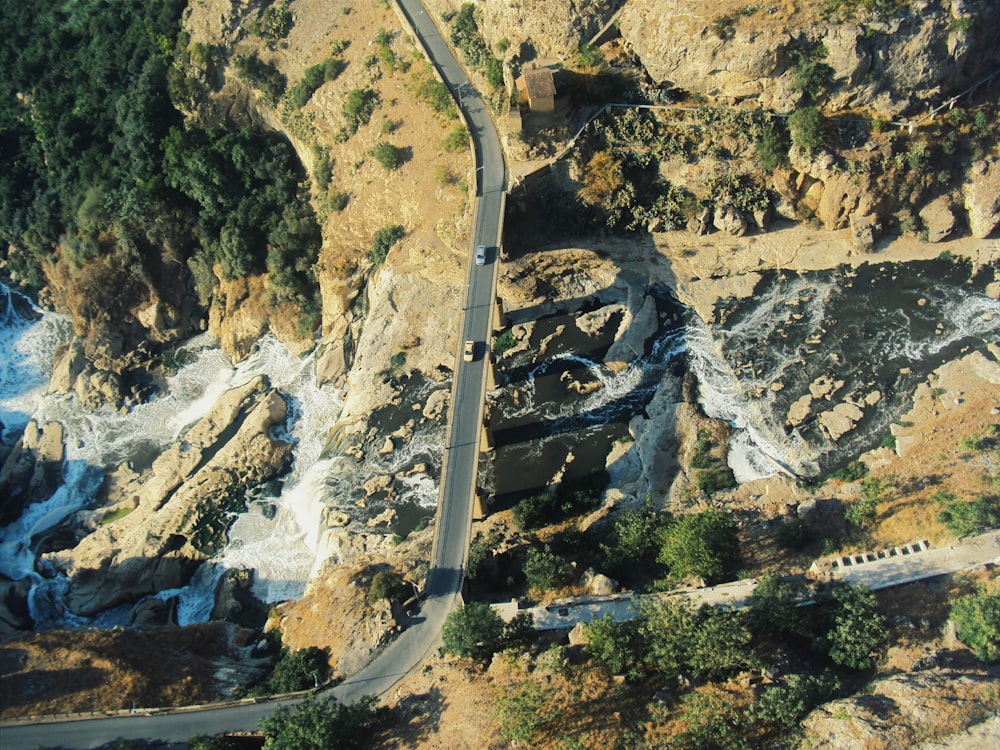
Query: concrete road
x=454, y=516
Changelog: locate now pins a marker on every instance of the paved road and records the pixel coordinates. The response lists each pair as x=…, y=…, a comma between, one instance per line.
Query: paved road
x=454, y=520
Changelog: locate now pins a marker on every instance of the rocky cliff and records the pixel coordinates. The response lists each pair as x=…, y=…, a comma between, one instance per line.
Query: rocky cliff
x=892, y=64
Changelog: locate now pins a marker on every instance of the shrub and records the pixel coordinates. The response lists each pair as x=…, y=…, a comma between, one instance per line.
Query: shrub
x=298, y=670
x=359, y=106
x=457, y=140
x=810, y=75
x=806, y=126
x=504, y=341
x=616, y=645
x=314, y=77
x=569, y=498
x=977, y=622
x=385, y=238
x=852, y=472
x=389, y=156
x=971, y=517
x=475, y=631
x=772, y=147
x=262, y=76
x=274, y=23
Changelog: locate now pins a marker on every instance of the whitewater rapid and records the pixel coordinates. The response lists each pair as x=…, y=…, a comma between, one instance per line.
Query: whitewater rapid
x=279, y=537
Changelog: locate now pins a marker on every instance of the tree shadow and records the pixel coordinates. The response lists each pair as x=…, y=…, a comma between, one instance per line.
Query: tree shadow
x=418, y=716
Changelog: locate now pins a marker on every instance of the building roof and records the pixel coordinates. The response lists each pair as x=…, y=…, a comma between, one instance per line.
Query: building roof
x=539, y=83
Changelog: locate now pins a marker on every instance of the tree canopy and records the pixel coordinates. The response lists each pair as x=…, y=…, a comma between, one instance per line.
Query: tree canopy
x=700, y=544
x=977, y=622
x=323, y=725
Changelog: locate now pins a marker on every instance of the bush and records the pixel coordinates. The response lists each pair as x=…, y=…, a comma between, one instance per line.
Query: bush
x=389, y=156
x=385, y=238
x=852, y=472
x=702, y=545
x=977, y=622
x=323, y=725
x=971, y=517
x=457, y=140
x=359, y=106
x=772, y=147
x=274, y=23
x=806, y=126
x=314, y=77
x=569, y=498
x=616, y=645
x=504, y=341
x=262, y=76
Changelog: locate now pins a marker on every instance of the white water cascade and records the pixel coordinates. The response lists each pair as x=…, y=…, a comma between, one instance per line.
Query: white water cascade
x=282, y=547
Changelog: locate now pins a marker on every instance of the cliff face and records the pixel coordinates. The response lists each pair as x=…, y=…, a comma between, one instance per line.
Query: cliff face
x=930, y=50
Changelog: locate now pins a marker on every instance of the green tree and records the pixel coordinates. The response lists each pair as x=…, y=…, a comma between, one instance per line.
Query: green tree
x=473, y=631
x=864, y=511
x=772, y=147
x=774, y=609
x=323, y=725
x=385, y=238
x=617, y=645
x=977, y=622
x=702, y=544
x=296, y=670
x=784, y=704
x=386, y=584
x=544, y=569
x=856, y=636
x=806, y=126
x=359, y=106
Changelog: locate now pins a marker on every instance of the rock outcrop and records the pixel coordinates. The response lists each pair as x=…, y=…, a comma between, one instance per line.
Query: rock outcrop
x=887, y=64
x=982, y=197
x=33, y=469
x=902, y=710
x=181, y=504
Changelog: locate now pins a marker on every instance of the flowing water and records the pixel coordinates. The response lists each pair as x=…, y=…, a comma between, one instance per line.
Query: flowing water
x=567, y=408
x=279, y=537
x=879, y=329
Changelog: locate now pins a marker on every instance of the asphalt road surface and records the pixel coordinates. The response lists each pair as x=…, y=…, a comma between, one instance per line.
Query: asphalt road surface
x=454, y=516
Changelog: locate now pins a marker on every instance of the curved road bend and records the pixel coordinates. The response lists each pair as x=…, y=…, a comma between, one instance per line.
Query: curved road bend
x=454, y=517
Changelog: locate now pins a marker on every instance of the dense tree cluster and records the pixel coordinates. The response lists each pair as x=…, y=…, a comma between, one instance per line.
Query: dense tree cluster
x=94, y=158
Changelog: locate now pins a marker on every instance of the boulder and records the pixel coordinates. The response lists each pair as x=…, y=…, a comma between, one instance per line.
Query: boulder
x=154, y=613
x=33, y=469
x=982, y=197
x=864, y=231
x=578, y=635
x=700, y=224
x=938, y=218
x=67, y=367
x=185, y=502
x=727, y=218
x=598, y=584
x=840, y=420
x=14, y=613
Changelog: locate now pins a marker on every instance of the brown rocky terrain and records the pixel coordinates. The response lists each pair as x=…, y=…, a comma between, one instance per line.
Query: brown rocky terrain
x=146, y=535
